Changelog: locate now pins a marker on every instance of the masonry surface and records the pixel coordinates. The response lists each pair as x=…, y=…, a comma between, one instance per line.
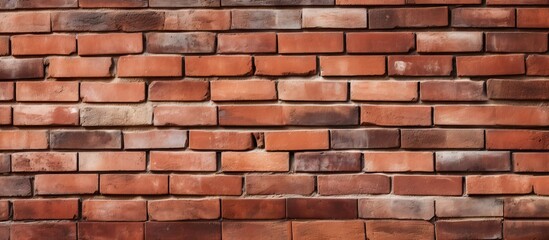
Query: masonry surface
x=274, y=119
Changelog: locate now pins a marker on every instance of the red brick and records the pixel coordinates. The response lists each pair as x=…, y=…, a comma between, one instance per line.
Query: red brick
x=5, y=163
x=182, y=230
x=380, y=42
x=473, y=161
x=277, y=3
x=72, y=67
x=540, y=185
x=312, y=90
x=4, y=45
x=57, y=44
x=116, y=116
x=7, y=92
x=111, y=4
x=114, y=210
x=384, y=91
x=105, y=231
x=513, y=229
x=184, y=3
x=177, y=210
x=498, y=184
x=257, y=230
x=321, y=208
x=46, y=91
x=246, y=43
x=391, y=229
x=327, y=161
x=22, y=4
x=526, y=207
x=518, y=90
x=92, y=139
x=297, y=140
x=397, y=208
x=65, y=184
x=490, y=65
x=253, y=208
x=443, y=2
x=6, y=115
x=25, y=22
x=517, y=139
x=353, y=184
x=21, y=68
x=134, y=184
x=531, y=162
x=155, y=139
x=398, y=162
x=187, y=90
x=103, y=21
x=442, y=138
x=310, y=230
x=280, y=184
x=511, y=2
x=183, y=161
x=15, y=186
x=452, y=90
x=516, y=42
x=352, y=65
x=220, y=140
x=364, y=138
x=112, y=92
x=310, y=42
x=420, y=65
x=43, y=162
x=532, y=17
x=45, y=209
x=197, y=20
x=428, y=42
x=469, y=207
x=395, y=115
x=427, y=185
x=255, y=162
x=23, y=139
x=390, y=18
x=496, y=115
x=150, y=66
x=537, y=65
x=111, y=161
x=4, y=211
x=45, y=115
x=110, y=43
x=241, y=90
x=185, y=115
x=215, y=185
x=483, y=17
x=285, y=65
x=181, y=42
x=370, y=2
x=209, y=66
x=334, y=18
x=59, y=231
x=265, y=19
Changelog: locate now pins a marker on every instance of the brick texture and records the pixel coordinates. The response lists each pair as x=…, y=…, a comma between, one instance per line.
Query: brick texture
x=274, y=119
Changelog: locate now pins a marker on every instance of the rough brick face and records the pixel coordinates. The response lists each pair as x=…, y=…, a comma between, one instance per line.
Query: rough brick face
x=274, y=119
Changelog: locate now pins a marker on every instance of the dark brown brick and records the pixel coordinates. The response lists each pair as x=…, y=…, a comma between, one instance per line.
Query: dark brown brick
x=23, y=4
x=15, y=186
x=314, y=208
x=253, y=208
x=21, y=68
x=94, y=139
x=388, y=18
x=265, y=19
x=321, y=115
x=365, y=138
x=92, y=21
x=518, y=89
x=182, y=230
x=442, y=138
x=202, y=42
x=328, y=162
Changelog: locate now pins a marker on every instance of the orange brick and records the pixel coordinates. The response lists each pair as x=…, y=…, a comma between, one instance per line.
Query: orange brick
x=215, y=185
x=246, y=43
x=312, y=42
x=110, y=43
x=134, y=184
x=398, y=162
x=23, y=139
x=150, y=66
x=420, y=65
x=72, y=67
x=384, y=91
x=498, y=184
x=111, y=161
x=380, y=42
x=185, y=115
x=532, y=18
x=45, y=209
x=428, y=42
x=220, y=140
x=21, y=22
x=352, y=65
x=395, y=115
x=112, y=92
x=41, y=115
x=297, y=140
x=187, y=90
x=312, y=90
x=65, y=184
x=114, y=210
x=255, y=162
x=210, y=66
x=46, y=91
x=7, y=92
x=285, y=65
x=495, y=115
x=351, y=230
x=43, y=162
x=240, y=90
x=57, y=44
x=177, y=210
x=183, y=161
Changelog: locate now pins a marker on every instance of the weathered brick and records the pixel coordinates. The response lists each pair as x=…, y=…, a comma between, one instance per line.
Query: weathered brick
x=23, y=139
x=384, y=91
x=21, y=68
x=184, y=3
x=182, y=230
x=496, y=115
x=526, y=207
x=310, y=42
x=111, y=4
x=6, y=115
x=398, y=208
x=280, y=184
x=45, y=115
x=43, y=230
x=154, y=139
x=150, y=66
x=398, y=162
x=351, y=230
x=220, y=140
x=469, y=229
x=183, y=161
x=334, y=18
x=216, y=185
x=297, y=140
x=91, y=139
x=442, y=138
x=4, y=45
x=246, y=42
x=452, y=90
x=483, y=17
x=106, y=230
x=513, y=229
x=390, y=18
x=257, y=230
x=43, y=162
x=285, y=65
x=197, y=20
x=352, y=65
x=314, y=208
x=46, y=91
x=395, y=115
x=72, y=67
x=111, y=161
x=15, y=186
x=518, y=90
x=253, y=208
x=428, y=42
x=7, y=92
x=380, y=42
x=22, y=4
x=517, y=139
x=353, y=184
x=370, y=2
x=389, y=229
x=469, y=207
x=134, y=184
x=306, y=90
x=110, y=43
x=5, y=163
x=364, y=138
x=187, y=90
x=25, y=22
x=327, y=162
x=516, y=42
x=102, y=21
x=511, y=2
x=420, y=65
x=239, y=90
x=114, y=210
x=4, y=212
x=498, y=184
x=116, y=116
x=427, y=185
x=210, y=66
x=265, y=19
x=45, y=209
x=177, y=210
x=255, y=162
x=181, y=42
x=475, y=161
x=65, y=184
x=275, y=3
x=185, y=115
x=57, y=44
x=97, y=92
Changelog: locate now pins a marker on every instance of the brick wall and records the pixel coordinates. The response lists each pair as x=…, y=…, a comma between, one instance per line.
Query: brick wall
x=274, y=119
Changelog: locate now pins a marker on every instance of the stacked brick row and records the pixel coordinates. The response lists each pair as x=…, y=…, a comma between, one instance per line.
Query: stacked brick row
x=274, y=119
